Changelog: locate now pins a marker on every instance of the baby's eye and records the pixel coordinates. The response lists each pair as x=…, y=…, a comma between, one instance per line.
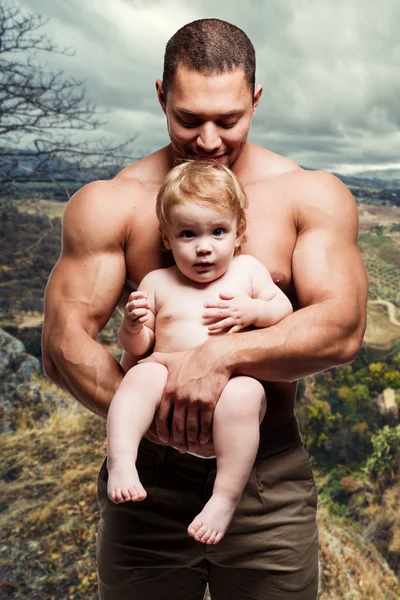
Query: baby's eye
x=187, y=234
x=218, y=232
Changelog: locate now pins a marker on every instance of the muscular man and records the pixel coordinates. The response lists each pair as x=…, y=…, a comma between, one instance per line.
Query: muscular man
x=303, y=227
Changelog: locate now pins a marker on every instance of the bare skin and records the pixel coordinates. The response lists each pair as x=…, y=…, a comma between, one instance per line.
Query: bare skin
x=302, y=226
x=178, y=303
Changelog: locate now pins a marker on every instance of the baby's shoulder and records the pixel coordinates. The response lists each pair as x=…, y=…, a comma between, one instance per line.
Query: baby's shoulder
x=157, y=278
x=248, y=262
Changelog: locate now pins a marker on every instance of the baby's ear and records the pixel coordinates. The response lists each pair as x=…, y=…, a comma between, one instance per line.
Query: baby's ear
x=164, y=237
x=240, y=239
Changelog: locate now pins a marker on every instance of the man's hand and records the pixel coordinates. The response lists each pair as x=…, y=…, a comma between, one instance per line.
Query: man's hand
x=235, y=312
x=196, y=379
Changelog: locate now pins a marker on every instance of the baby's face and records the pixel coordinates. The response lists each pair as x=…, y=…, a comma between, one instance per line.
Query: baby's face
x=203, y=240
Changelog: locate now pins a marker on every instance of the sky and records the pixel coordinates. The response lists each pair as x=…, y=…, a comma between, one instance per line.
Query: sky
x=330, y=70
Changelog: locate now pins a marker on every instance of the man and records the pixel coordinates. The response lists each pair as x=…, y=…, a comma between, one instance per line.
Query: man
x=303, y=227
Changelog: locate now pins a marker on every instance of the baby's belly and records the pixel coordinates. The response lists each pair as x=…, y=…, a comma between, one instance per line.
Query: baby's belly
x=180, y=336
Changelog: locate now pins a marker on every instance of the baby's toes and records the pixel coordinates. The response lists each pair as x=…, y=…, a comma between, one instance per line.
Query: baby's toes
x=200, y=532
x=125, y=495
x=206, y=536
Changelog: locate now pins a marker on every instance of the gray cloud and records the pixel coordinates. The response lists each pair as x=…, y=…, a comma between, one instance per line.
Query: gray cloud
x=330, y=71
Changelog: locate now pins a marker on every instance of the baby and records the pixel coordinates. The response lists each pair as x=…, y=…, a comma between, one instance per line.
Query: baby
x=201, y=210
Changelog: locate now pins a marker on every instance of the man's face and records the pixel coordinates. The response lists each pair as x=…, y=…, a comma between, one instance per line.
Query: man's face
x=208, y=116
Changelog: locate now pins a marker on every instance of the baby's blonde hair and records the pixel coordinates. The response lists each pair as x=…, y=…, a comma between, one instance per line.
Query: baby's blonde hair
x=202, y=182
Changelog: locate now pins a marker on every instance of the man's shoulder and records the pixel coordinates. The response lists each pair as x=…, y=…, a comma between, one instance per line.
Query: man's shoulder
x=307, y=187
x=259, y=167
x=320, y=198
x=147, y=171
x=111, y=201
x=319, y=187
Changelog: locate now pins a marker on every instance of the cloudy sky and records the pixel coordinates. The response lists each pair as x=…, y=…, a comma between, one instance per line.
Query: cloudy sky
x=330, y=70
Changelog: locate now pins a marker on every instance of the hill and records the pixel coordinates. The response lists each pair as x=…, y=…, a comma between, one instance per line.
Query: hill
x=49, y=512
x=53, y=448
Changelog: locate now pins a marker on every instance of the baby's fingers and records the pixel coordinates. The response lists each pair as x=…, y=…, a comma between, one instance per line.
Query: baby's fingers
x=217, y=304
x=222, y=324
x=215, y=313
x=135, y=304
x=138, y=312
x=137, y=294
x=235, y=329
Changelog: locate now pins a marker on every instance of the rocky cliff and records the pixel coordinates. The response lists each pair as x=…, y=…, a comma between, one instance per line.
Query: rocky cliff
x=22, y=400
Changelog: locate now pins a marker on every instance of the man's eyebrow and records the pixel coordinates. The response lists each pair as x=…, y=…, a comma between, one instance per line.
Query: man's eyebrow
x=230, y=113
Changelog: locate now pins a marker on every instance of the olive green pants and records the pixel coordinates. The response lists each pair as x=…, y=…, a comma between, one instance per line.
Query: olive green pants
x=269, y=551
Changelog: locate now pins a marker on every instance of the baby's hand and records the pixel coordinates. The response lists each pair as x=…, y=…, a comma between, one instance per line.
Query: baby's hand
x=136, y=311
x=235, y=312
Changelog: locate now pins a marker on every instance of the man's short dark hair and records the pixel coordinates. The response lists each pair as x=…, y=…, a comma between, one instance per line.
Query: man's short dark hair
x=209, y=46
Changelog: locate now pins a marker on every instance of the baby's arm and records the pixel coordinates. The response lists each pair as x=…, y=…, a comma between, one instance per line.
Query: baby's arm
x=136, y=334
x=266, y=305
x=272, y=304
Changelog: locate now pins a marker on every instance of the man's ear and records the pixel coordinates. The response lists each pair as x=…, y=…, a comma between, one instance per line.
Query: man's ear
x=160, y=94
x=165, y=239
x=257, y=95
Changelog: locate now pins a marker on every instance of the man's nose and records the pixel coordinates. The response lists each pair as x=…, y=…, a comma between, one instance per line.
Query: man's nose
x=208, y=138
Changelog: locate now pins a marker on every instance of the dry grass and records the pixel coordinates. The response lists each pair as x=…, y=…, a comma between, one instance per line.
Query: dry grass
x=49, y=518
x=51, y=208
x=380, y=333
x=350, y=567
x=49, y=507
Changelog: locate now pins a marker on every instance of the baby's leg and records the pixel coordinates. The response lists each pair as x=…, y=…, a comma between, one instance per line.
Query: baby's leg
x=236, y=433
x=129, y=417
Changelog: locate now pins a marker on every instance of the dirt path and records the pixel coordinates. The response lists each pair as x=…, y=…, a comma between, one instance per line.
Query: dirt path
x=390, y=308
x=31, y=321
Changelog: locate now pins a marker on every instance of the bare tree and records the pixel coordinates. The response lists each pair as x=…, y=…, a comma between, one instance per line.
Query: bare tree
x=40, y=110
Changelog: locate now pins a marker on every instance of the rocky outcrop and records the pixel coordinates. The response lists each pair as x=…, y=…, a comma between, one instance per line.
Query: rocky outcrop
x=20, y=398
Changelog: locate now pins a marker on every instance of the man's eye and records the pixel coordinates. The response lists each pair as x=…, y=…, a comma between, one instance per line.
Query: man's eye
x=218, y=232
x=187, y=234
x=228, y=125
x=188, y=125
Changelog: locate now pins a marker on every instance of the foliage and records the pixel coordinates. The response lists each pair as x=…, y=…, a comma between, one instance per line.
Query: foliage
x=384, y=462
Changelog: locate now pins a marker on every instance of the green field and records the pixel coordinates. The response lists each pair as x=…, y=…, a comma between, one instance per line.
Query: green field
x=382, y=260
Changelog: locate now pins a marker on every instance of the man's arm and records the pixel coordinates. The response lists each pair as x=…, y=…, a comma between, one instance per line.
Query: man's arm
x=82, y=292
x=331, y=286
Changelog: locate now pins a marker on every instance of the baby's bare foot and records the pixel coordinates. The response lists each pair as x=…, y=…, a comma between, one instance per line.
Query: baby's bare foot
x=210, y=525
x=124, y=483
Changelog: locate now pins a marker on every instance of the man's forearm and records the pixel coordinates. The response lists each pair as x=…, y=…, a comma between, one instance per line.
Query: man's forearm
x=310, y=340
x=84, y=369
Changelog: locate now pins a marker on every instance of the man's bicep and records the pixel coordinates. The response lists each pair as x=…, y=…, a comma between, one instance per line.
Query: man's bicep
x=88, y=279
x=327, y=264
x=84, y=291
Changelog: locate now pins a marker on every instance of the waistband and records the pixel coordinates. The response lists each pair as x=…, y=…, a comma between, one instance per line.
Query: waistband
x=276, y=440
x=273, y=441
